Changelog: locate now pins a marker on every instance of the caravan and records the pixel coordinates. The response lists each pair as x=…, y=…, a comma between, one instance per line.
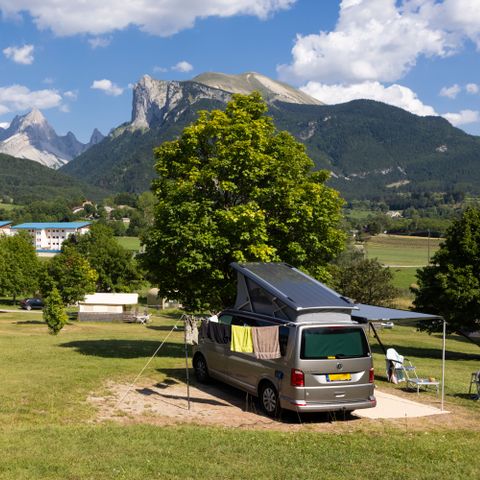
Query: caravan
x=321, y=361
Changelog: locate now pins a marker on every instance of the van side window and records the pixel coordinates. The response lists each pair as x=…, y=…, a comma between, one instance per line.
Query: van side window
x=283, y=339
x=225, y=319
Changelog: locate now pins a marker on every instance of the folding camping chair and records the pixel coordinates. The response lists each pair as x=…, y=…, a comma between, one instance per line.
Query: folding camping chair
x=396, y=366
x=475, y=385
x=398, y=371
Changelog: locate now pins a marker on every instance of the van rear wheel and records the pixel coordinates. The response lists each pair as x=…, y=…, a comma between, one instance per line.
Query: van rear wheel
x=201, y=369
x=269, y=399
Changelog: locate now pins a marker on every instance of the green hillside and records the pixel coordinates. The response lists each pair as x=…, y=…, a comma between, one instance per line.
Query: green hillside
x=373, y=149
x=26, y=181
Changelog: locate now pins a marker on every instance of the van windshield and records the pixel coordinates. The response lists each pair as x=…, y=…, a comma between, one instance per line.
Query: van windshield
x=333, y=342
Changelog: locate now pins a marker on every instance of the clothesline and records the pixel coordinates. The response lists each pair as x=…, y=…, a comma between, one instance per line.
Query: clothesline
x=264, y=342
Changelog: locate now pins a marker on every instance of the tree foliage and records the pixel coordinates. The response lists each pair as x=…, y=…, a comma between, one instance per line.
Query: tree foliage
x=363, y=280
x=19, y=266
x=450, y=285
x=72, y=274
x=232, y=188
x=54, y=313
x=117, y=269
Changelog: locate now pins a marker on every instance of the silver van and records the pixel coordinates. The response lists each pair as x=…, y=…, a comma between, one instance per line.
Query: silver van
x=325, y=360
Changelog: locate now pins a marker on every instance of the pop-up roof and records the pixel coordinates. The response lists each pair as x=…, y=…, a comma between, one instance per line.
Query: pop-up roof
x=282, y=291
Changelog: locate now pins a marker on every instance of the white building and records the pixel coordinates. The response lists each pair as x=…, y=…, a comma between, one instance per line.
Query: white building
x=107, y=306
x=48, y=238
x=5, y=227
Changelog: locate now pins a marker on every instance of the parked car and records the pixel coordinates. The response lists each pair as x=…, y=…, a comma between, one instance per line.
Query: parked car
x=324, y=363
x=31, y=303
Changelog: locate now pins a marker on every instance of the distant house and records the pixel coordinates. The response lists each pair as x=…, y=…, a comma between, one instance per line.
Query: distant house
x=47, y=238
x=5, y=227
x=107, y=307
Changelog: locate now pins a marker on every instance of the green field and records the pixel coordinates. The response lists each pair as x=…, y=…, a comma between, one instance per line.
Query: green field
x=48, y=430
x=129, y=243
x=404, y=254
x=401, y=250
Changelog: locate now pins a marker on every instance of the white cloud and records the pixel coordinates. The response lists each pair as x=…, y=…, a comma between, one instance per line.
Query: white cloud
x=158, y=69
x=4, y=124
x=18, y=97
x=450, y=92
x=99, y=42
x=22, y=55
x=107, y=86
x=382, y=40
x=64, y=108
x=48, y=80
x=71, y=94
x=183, y=66
x=472, y=88
x=158, y=17
x=463, y=117
x=396, y=95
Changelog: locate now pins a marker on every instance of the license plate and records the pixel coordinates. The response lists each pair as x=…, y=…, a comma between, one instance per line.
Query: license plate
x=339, y=377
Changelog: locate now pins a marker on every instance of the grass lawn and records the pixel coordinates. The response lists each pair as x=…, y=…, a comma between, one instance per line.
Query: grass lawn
x=49, y=431
x=403, y=277
x=401, y=250
x=129, y=243
x=8, y=206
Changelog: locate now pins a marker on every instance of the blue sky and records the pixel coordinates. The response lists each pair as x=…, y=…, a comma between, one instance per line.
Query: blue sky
x=77, y=61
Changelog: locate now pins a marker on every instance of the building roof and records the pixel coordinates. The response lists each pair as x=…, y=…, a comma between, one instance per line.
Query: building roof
x=111, y=299
x=3, y=223
x=293, y=287
x=57, y=225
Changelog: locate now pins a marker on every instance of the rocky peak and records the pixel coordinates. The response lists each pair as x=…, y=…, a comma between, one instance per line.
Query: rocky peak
x=96, y=137
x=31, y=136
x=155, y=101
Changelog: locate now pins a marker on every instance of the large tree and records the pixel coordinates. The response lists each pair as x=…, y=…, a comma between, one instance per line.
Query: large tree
x=233, y=188
x=19, y=267
x=363, y=280
x=72, y=274
x=450, y=285
x=117, y=269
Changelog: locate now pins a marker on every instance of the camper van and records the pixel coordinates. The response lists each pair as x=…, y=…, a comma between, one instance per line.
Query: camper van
x=323, y=361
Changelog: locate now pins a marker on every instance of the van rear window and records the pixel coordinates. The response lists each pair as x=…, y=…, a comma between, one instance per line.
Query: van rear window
x=333, y=342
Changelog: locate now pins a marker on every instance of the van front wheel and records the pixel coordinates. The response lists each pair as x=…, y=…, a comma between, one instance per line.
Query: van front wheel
x=269, y=399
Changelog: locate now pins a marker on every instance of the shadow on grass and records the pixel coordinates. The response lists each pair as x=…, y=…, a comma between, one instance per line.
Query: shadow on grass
x=30, y=322
x=466, y=396
x=228, y=395
x=125, y=348
x=433, y=353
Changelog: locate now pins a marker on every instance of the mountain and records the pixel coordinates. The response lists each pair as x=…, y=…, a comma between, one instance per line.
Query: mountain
x=26, y=181
x=30, y=136
x=372, y=149
x=271, y=90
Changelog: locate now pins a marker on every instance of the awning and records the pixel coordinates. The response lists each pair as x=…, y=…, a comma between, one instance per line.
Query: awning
x=372, y=313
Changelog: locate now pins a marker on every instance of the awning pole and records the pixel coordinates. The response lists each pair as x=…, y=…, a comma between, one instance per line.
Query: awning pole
x=443, y=361
x=378, y=338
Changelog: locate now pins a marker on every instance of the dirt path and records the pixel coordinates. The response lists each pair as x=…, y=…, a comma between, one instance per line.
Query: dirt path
x=221, y=405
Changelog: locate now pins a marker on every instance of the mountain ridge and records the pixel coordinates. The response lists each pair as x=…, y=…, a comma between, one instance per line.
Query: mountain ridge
x=371, y=148
x=30, y=136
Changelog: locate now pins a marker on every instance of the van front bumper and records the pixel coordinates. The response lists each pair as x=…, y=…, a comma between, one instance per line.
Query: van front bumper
x=302, y=406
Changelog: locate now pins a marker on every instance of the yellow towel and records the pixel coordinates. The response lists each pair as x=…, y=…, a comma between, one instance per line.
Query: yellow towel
x=242, y=340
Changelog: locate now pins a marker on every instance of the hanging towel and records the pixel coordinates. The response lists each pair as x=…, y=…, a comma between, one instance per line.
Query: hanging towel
x=241, y=339
x=266, y=342
x=217, y=332
x=191, y=331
